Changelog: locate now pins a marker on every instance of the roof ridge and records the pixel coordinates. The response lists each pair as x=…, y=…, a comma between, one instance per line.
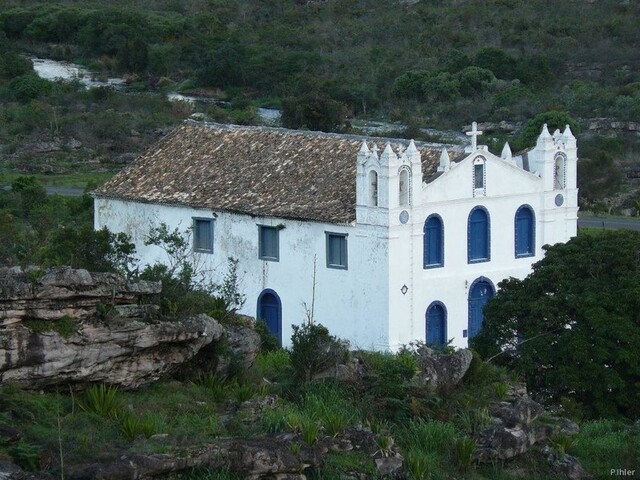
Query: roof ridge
x=317, y=133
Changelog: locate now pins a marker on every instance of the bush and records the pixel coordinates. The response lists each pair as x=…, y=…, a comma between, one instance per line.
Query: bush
x=314, y=350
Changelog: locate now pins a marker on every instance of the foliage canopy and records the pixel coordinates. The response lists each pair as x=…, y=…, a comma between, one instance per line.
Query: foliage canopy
x=571, y=327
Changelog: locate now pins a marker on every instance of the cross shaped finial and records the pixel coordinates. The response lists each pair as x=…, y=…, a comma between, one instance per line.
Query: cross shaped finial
x=400, y=149
x=474, y=135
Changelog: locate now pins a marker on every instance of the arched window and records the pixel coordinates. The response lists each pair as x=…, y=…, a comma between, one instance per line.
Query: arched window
x=525, y=232
x=436, y=324
x=478, y=236
x=559, y=171
x=373, y=188
x=433, y=242
x=404, y=187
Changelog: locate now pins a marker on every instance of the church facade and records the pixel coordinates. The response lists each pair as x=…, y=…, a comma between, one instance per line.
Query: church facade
x=383, y=241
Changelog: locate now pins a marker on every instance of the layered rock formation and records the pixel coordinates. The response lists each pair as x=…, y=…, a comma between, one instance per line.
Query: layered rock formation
x=72, y=327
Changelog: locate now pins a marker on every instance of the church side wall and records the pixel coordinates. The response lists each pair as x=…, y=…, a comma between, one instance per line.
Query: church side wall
x=351, y=303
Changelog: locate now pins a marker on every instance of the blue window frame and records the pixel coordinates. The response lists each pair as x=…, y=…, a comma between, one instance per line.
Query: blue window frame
x=268, y=243
x=436, y=328
x=203, y=235
x=525, y=232
x=478, y=236
x=433, y=242
x=337, y=250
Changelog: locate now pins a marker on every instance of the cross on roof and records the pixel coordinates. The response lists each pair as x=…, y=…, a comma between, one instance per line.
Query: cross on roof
x=474, y=133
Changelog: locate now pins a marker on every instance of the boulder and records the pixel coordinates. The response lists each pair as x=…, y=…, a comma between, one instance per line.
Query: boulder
x=442, y=370
x=516, y=425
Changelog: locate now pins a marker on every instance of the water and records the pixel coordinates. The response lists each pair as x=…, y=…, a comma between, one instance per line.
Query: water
x=66, y=72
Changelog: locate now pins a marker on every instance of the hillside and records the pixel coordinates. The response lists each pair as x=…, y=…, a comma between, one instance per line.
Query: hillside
x=425, y=64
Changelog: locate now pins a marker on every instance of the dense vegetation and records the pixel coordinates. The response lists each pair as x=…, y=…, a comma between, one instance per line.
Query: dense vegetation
x=454, y=61
x=571, y=327
x=426, y=64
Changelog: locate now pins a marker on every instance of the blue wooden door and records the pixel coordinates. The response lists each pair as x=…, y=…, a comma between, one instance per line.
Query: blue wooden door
x=480, y=293
x=436, y=328
x=269, y=311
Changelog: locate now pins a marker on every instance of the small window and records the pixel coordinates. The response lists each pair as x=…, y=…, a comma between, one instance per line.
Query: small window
x=559, y=172
x=478, y=176
x=337, y=250
x=404, y=187
x=268, y=243
x=203, y=235
x=373, y=188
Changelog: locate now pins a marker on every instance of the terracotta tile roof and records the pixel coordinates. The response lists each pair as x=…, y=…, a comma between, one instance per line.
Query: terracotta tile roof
x=254, y=170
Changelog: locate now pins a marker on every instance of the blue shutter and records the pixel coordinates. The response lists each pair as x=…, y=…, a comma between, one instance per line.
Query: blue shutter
x=524, y=232
x=433, y=242
x=436, y=324
x=479, y=294
x=478, y=235
x=337, y=250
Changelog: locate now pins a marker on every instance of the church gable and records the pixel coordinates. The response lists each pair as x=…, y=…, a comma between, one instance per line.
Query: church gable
x=480, y=174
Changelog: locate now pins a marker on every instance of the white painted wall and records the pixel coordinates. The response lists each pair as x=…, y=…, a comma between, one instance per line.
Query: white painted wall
x=352, y=303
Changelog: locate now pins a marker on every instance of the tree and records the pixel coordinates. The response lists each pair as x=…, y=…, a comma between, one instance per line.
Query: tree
x=571, y=328
x=554, y=119
x=315, y=111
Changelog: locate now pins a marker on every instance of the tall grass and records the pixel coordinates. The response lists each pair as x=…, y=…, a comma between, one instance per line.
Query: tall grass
x=605, y=444
x=102, y=400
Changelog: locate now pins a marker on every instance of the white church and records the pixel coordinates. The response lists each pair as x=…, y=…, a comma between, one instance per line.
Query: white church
x=388, y=241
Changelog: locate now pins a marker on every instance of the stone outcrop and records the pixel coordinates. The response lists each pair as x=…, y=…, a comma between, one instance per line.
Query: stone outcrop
x=70, y=326
x=261, y=457
x=65, y=292
x=516, y=425
x=127, y=353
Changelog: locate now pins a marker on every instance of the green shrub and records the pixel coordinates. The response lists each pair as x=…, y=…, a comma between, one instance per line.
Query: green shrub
x=25, y=455
x=314, y=350
x=102, y=400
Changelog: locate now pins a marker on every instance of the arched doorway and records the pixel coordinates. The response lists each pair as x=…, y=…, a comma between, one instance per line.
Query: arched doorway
x=479, y=294
x=270, y=312
x=436, y=318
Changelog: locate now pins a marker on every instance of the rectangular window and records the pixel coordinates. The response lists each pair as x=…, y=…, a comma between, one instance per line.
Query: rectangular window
x=268, y=243
x=337, y=250
x=203, y=235
x=478, y=175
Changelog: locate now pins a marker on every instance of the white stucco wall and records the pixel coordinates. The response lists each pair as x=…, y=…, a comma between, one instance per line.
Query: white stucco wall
x=452, y=196
x=352, y=303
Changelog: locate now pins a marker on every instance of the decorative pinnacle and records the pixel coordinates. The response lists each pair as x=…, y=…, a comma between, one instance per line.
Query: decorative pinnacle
x=412, y=148
x=364, y=148
x=506, y=152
